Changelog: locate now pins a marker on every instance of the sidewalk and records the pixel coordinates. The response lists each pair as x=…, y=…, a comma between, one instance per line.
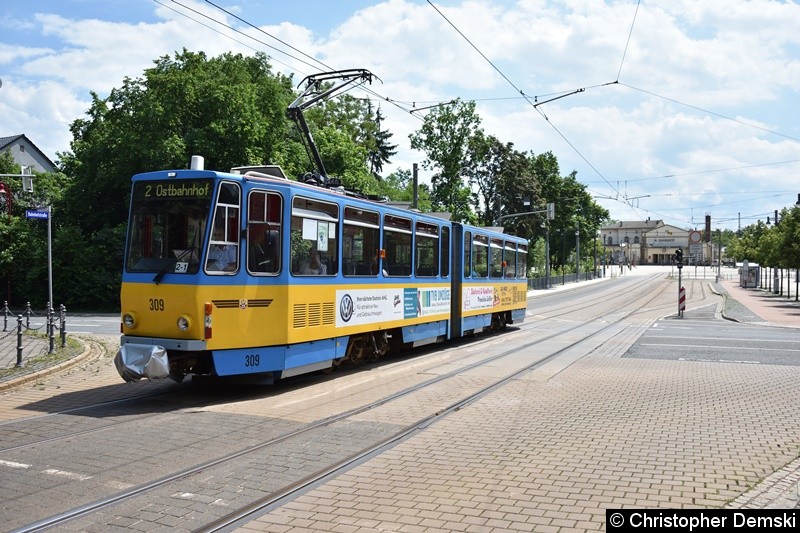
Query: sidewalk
x=758, y=306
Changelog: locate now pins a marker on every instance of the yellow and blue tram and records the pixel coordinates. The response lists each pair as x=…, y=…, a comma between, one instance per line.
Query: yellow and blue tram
x=250, y=273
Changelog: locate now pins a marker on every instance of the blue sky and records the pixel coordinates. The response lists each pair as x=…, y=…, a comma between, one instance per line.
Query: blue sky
x=705, y=117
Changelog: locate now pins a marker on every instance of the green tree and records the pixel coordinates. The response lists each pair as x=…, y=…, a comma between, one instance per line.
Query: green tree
x=745, y=245
x=575, y=210
x=399, y=187
x=444, y=137
x=506, y=185
x=789, y=237
x=229, y=109
x=378, y=147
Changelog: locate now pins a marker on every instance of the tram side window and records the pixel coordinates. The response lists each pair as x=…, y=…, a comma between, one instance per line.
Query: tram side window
x=427, y=250
x=510, y=260
x=264, y=232
x=480, y=256
x=496, y=248
x=522, y=261
x=223, y=248
x=445, y=254
x=360, y=242
x=467, y=254
x=397, y=243
x=313, y=240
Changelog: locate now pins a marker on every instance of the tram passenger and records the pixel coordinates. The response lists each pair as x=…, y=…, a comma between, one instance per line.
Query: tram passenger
x=313, y=266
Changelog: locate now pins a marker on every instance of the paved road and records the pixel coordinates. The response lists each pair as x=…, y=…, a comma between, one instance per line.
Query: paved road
x=700, y=336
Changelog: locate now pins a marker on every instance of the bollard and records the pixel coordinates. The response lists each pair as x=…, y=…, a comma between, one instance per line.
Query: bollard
x=27, y=315
x=63, y=310
x=5, y=316
x=19, y=340
x=51, y=328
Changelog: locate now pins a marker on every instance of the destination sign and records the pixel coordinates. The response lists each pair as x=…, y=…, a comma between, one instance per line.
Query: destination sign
x=167, y=190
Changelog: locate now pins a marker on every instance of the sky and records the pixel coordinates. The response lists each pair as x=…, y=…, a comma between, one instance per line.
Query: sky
x=668, y=109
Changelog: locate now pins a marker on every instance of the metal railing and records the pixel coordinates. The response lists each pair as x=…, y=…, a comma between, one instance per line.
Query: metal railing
x=52, y=322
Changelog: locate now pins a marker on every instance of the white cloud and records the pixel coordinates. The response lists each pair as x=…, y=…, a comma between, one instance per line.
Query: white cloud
x=730, y=57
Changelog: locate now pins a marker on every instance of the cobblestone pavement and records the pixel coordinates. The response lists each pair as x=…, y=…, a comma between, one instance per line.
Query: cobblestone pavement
x=551, y=453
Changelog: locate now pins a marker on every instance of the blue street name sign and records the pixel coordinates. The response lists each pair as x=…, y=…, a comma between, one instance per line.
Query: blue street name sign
x=35, y=214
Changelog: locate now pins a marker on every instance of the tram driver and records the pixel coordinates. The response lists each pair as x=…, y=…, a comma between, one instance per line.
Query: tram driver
x=221, y=255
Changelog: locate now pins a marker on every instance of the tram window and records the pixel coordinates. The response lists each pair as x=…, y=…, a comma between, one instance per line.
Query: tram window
x=480, y=256
x=445, y=243
x=510, y=260
x=397, y=243
x=264, y=232
x=223, y=247
x=496, y=248
x=467, y=254
x=360, y=242
x=313, y=240
x=522, y=261
x=427, y=250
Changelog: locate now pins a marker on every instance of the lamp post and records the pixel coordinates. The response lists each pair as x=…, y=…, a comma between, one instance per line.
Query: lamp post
x=546, y=225
x=577, y=254
x=604, y=256
x=624, y=260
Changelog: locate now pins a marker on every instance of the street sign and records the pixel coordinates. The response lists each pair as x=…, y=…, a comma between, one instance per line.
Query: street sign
x=36, y=214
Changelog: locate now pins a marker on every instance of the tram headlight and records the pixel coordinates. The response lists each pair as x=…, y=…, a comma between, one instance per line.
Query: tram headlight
x=129, y=320
x=184, y=323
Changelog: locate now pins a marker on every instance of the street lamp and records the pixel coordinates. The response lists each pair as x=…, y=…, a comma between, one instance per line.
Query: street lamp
x=546, y=226
x=604, y=256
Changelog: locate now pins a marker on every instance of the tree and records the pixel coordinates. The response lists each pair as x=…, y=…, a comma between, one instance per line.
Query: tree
x=229, y=109
x=575, y=210
x=745, y=246
x=399, y=187
x=444, y=137
x=379, y=149
x=506, y=185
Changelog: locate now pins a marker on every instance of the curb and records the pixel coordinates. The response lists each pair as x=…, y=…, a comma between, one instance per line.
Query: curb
x=16, y=382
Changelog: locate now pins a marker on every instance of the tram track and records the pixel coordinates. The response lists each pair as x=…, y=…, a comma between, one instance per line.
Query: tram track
x=105, y=409
x=594, y=328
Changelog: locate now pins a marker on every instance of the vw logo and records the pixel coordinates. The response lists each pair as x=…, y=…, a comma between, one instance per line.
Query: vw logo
x=346, y=308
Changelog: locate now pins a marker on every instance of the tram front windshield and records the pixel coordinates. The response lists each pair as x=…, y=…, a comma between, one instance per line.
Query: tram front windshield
x=167, y=223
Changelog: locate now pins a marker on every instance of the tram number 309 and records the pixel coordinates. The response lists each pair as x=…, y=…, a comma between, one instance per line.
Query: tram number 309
x=251, y=360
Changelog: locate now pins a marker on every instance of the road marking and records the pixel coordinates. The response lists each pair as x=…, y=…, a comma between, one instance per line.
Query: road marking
x=12, y=464
x=759, y=348
x=719, y=361
x=64, y=473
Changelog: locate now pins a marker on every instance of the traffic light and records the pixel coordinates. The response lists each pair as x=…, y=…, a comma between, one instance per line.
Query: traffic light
x=679, y=256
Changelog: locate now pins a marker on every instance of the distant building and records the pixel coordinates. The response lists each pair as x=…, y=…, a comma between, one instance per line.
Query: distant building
x=26, y=154
x=624, y=241
x=649, y=242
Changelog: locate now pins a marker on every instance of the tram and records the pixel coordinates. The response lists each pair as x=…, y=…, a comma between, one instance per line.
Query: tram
x=250, y=274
